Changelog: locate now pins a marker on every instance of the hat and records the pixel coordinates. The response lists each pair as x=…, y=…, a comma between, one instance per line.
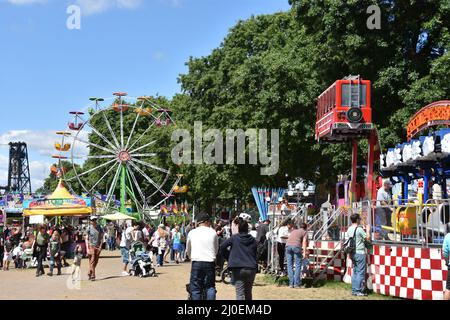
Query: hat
x=161, y=226
x=93, y=218
x=203, y=217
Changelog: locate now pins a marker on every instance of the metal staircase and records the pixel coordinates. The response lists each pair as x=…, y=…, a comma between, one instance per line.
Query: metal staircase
x=323, y=257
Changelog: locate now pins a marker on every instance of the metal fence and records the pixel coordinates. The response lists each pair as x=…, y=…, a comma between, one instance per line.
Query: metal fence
x=411, y=223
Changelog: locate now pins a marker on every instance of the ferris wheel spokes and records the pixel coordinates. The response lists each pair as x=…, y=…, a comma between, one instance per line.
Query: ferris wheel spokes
x=135, y=123
x=143, y=147
x=168, y=195
x=141, y=136
x=93, y=169
x=93, y=145
x=132, y=130
x=112, y=187
x=144, y=155
x=142, y=173
x=108, y=124
x=114, y=147
x=102, y=156
x=103, y=177
x=133, y=177
x=151, y=166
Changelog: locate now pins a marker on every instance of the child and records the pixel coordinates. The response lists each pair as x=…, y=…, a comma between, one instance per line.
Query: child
x=17, y=255
x=7, y=255
x=77, y=263
x=55, y=253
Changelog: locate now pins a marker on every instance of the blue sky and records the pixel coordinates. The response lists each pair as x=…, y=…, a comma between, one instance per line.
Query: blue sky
x=137, y=46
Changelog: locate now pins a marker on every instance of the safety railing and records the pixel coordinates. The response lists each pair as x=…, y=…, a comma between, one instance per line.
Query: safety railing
x=411, y=223
x=333, y=228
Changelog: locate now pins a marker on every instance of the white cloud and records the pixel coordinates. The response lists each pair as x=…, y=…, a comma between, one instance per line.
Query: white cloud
x=41, y=142
x=89, y=7
x=158, y=55
x=37, y=141
x=128, y=4
x=40, y=146
x=39, y=171
x=26, y=2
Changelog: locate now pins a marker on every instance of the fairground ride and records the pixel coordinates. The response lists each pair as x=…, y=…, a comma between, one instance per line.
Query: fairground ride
x=121, y=161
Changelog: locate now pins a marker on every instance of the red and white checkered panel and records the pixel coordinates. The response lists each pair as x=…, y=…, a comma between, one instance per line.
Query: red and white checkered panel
x=335, y=271
x=406, y=272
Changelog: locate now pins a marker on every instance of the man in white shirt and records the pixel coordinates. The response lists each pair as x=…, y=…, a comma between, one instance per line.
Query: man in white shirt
x=282, y=237
x=125, y=244
x=202, y=248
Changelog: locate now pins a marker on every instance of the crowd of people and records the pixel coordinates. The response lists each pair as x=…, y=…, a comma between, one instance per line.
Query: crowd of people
x=206, y=244
x=245, y=248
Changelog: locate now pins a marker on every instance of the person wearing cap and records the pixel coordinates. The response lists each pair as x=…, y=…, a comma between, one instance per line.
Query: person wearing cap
x=125, y=245
x=383, y=212
x=202, y=248
x=94, y=242
x=40, y=246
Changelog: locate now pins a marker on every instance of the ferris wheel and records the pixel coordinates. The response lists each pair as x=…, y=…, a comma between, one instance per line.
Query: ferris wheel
x=113, y=152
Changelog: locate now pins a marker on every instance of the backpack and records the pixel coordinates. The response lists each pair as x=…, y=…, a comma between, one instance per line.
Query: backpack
x=349, y=246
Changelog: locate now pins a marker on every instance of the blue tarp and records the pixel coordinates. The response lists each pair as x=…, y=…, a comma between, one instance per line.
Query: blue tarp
x=260, y=195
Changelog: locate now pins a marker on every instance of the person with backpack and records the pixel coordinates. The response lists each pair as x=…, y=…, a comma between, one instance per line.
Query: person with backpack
x=355, y=247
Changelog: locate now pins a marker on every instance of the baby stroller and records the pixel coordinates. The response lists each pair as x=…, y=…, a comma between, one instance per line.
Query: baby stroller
x=141, y=263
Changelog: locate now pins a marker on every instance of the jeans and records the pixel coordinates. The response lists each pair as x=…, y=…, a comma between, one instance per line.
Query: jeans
x=383, y=218
x=160, y=258
x=41, y=255
x=111, y=243
x=203, y=281
x=359, y=273
x=243, y=279
x=93, y=260
x=55, y=260
x=172, y=252
x=294, y=253
x=183, y=251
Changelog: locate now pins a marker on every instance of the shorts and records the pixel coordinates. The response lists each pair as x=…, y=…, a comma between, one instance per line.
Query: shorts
x=448, y=279
x=7, y=256
x=125, y=255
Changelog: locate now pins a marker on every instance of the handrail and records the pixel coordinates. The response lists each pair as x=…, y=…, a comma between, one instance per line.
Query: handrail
x=318, y=270
x=318, y=237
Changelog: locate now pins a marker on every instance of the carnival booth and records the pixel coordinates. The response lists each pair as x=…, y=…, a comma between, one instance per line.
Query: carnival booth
x=405, y=256
x=408, y=262
x=61, y=203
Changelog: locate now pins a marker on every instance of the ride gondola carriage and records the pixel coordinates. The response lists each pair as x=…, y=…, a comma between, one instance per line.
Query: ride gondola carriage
x=76, y=124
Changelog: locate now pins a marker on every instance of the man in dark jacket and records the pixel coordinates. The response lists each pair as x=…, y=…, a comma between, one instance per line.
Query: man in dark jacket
x=242, y=260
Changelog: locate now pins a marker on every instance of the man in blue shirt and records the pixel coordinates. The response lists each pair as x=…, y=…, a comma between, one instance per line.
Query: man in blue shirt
x=361, y=236
x=446, y=253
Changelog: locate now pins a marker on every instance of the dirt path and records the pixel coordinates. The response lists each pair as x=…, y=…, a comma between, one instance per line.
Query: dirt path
x=169, y=285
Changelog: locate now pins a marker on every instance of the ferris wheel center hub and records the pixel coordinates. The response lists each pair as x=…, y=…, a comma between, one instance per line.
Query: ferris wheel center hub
x=124, y=156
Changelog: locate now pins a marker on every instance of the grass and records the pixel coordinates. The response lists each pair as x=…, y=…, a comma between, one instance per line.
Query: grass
x=322, y=284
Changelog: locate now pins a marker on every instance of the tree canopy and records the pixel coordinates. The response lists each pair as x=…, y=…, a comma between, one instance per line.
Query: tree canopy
x=269, y=70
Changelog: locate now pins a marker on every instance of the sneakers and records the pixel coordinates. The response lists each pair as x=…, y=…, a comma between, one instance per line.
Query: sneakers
x=125, y=274
x=359, y=294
